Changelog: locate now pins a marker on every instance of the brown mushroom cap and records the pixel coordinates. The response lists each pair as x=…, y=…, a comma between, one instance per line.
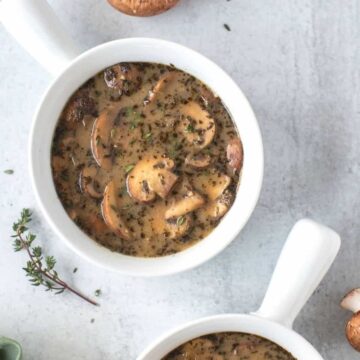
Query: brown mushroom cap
x=124, y=77
x=111, y=215
x=149, y=177
x=142, y=7
x=197, y=125
x=353, y=331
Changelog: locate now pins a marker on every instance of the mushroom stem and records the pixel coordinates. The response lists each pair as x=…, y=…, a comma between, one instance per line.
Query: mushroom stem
x=351, y=301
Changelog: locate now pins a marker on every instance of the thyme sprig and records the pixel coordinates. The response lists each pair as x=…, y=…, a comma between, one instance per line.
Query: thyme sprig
x=39, y=268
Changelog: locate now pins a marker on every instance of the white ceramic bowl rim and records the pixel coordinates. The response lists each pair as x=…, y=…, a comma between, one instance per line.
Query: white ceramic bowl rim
x=286, y=338
x=147, y=50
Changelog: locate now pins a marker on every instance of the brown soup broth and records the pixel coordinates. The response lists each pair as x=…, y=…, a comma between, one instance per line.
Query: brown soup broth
x=146, y=159
x=229, y=346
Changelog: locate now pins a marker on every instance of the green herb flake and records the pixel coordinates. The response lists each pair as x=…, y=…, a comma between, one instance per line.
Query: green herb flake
x=148, y=136
x=75, y=270
x=112, y=133
x=92, y=321
x=190, y=128
x=97, y=292
x=128, y=168
x=9, y=171
x=227, y=27
x=180, y=220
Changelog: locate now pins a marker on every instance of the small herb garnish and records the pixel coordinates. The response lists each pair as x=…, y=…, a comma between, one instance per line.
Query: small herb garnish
x=227, y=27
x=112, y=133
x=39, y=268
x=190, y=128
x=148, y=136
x=97, y=292
x=9, y=171
x=128, y=168
x=134, y=117
x=180, y=220
x=132, y=142
x=98, y=139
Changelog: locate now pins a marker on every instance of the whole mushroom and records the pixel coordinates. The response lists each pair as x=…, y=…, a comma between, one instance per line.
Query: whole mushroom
x=351, y=302
x=143, y=7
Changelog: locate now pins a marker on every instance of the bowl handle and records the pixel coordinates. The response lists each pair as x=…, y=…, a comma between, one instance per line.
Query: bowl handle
x=36, y=27
x=307, y=255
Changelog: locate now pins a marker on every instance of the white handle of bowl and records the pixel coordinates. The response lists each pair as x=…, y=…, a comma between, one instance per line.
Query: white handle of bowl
x=305, y=259
x=35, y=26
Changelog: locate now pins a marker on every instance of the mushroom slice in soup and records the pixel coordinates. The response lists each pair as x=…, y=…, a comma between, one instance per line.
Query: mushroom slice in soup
x=179, y=227
x=234, y=154
x=197, y=125
x=212, y=184
x=150, y=177
x=80, y=105
x=101, y=142
x=198, y=161
x=186, y=204
x=111, y=214
x=216, y=209
x=160, y=86
x=124, y=77
x=88, y=183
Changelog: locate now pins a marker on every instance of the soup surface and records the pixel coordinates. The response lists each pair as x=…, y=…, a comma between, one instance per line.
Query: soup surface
x=229, y=346
x=146, y=159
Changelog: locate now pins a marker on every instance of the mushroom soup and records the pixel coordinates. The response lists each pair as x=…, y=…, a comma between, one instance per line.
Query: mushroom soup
x=146, y=159
x=229, y=346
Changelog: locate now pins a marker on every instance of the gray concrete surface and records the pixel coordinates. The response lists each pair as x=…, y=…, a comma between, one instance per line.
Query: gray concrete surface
x=298, y=63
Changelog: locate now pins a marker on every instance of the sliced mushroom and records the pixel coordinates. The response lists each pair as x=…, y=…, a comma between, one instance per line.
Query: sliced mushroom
x=351, y=302
x=186, y=204
x=123, y=77
x=98, y=225
x=177, y=228
x=88, y=183
x=234, y=154
x=212, y=185
x=101, y=144
x=208, y=97
x=216, y=209
x=159, y=87
x=142, y=7
x=149, y=177
x=197, y=125
x=198, y=161
x=79, y=105
x=110, y=212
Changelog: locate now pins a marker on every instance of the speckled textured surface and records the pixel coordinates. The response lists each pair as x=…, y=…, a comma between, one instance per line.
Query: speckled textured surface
x=298, y=63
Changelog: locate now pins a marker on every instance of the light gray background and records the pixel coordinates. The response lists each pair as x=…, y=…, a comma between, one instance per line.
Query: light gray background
x=297, y=62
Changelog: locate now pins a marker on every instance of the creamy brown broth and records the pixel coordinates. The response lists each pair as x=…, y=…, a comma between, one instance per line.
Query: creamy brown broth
x=146, y=159
x=229, y=346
